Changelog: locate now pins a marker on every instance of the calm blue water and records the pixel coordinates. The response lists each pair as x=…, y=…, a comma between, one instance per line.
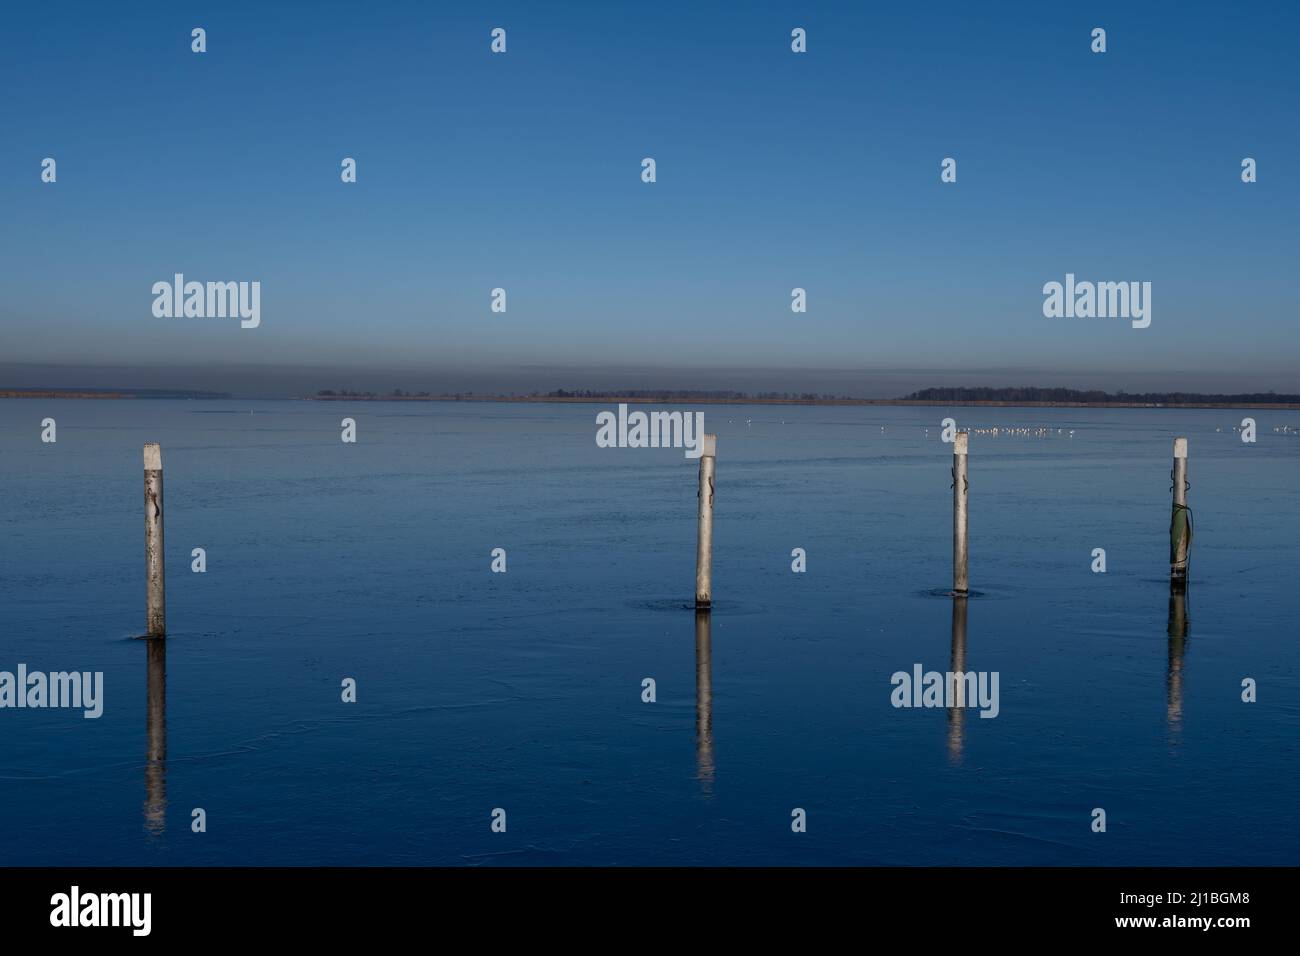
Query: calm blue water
x=523, y=690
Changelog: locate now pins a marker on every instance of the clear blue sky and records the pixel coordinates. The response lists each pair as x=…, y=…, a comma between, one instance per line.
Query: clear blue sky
x=775, y=170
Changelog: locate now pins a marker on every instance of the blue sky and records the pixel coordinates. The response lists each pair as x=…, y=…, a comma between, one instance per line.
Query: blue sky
x=775, y=170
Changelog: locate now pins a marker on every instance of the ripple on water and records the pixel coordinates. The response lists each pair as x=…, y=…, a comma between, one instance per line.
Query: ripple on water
x=677, y=605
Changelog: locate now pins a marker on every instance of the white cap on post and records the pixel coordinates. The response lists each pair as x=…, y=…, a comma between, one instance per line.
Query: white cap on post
x=709, y=446
x=152, y=456
x=1180, y=447
x=960, y=443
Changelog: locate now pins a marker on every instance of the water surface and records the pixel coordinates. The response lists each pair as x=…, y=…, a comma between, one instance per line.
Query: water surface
x=523, y=690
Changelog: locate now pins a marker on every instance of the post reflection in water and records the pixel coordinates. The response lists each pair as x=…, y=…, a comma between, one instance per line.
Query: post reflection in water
x=957, y=665
x=155, y=767
x=704, y=700
x=1177, y=647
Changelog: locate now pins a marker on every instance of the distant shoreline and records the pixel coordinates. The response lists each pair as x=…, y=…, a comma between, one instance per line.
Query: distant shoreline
x=40, y=394
x=651, y=400
x=126, y=395
x=112, y=393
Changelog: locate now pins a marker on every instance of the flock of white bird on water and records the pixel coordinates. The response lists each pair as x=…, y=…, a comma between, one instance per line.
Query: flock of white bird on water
x=1280, y=429
x=1043, y=431
x=1040, y=431
x=995, y=431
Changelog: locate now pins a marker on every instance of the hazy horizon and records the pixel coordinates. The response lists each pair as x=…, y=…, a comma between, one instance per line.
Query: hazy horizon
x=288, y=382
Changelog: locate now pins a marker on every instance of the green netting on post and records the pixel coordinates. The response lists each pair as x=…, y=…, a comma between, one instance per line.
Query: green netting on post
x=1180, y=535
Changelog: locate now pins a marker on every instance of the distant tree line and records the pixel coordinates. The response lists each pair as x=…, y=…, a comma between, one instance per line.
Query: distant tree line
x=1027, y=394
x=687, y=394
x=1008, y=395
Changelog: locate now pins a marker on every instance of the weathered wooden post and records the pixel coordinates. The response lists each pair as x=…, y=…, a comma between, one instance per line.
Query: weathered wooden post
x=155, y=595
x=704, y=543
x=1180, y=524
x=960, y=487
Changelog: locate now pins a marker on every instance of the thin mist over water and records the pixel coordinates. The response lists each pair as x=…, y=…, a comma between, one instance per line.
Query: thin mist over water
x=269, y=381
x=523, y=690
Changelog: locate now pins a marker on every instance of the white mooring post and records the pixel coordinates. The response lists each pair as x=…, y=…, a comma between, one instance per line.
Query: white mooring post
x=1180, y=524
x=155, y=595
x=960, y=489
x=704, y=543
